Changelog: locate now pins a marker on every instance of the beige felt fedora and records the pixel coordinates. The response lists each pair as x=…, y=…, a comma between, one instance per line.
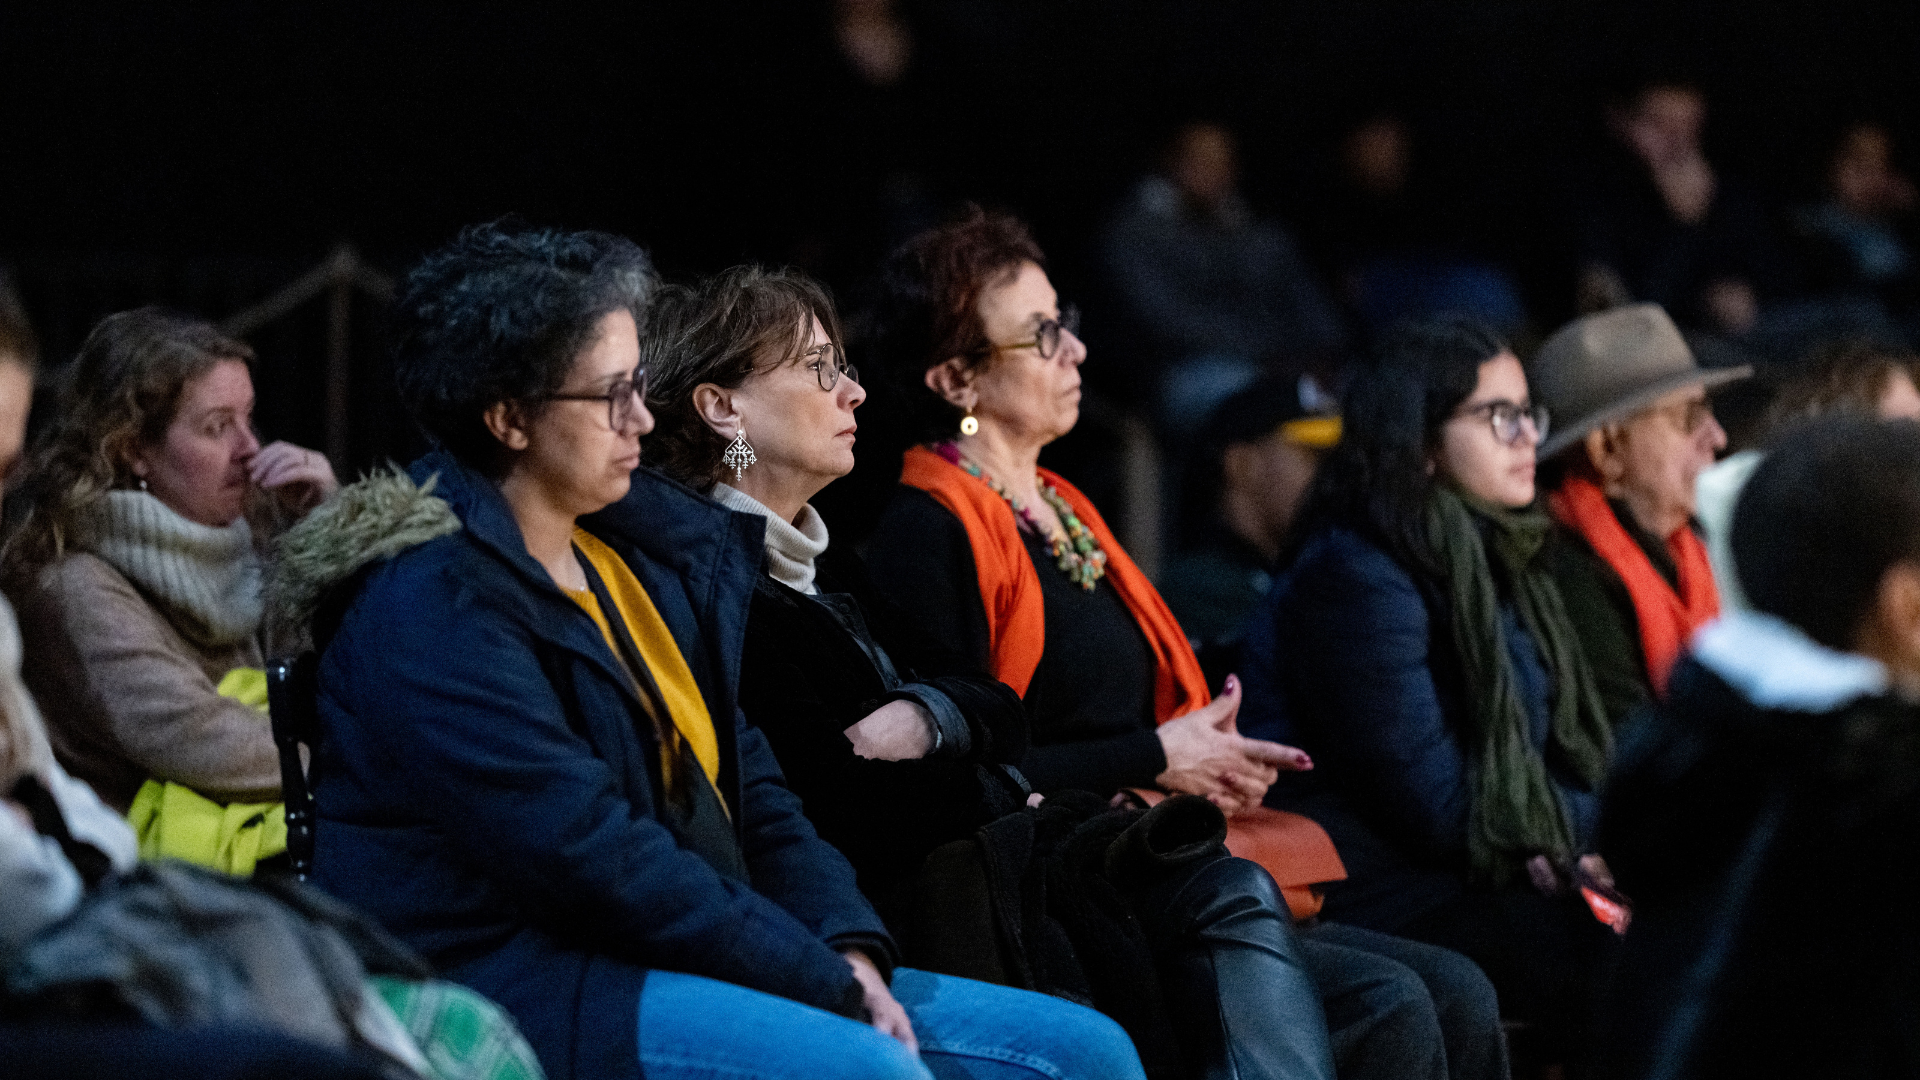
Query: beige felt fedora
x=1607, y=366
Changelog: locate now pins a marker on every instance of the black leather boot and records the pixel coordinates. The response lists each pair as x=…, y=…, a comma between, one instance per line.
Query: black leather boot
x=1242, y=1004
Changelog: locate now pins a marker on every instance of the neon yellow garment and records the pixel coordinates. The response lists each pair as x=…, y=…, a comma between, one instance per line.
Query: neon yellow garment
x=177, y=822
x=685, y=707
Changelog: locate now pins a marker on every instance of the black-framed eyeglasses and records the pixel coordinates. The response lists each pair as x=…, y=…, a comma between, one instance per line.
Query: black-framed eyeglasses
x=1510, y=421
x=828, y=363
x=623, y=398
x=1046, y=337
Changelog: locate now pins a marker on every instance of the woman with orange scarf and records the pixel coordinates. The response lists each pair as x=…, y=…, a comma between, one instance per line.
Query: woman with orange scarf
x=1014, y=573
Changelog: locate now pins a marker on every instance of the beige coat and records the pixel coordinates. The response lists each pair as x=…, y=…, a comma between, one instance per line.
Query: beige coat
x=127, y=697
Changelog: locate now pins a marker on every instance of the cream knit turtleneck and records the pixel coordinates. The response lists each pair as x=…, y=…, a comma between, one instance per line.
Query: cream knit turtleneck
x=207, y=579
x=791, y=546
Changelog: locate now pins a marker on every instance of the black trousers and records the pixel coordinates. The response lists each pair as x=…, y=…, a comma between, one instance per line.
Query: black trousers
x=1403, y=1009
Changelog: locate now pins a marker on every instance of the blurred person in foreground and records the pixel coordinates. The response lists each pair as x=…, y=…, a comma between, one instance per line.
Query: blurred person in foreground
x=1763, y=816
x=1633, y=430
x=1853, y=378
x=1258, y=454
x=1012, y=572
x=138, y=574
x=1417, y=647
x=528, y=678
x=1220, y=293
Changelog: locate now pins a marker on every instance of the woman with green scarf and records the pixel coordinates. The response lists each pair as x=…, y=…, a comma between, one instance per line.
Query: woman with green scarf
x=1417, y=648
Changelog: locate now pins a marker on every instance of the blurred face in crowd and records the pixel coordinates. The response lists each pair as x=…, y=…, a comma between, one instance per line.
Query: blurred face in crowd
x=1264, y=483
x=1028, y=400
x=1863, y=177
x=1378, y=155
x=1204, y=165
x=1651, y=460
x=1900, y=398
x=1473, y=456
x=16, y=398
x=199, y=468
x=572, y=452
x=802, y=433
x=1665, y=123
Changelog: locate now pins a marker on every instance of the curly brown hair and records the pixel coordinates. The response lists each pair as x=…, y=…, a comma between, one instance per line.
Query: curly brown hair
x=928, y=308
x=738, y=322
x=119, y=393
x=1849, y=377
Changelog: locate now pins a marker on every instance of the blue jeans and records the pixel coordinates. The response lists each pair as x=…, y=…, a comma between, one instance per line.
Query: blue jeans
x=693, y=1028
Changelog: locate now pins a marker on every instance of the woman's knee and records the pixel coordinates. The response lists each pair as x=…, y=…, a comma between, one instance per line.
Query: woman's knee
x=1018, y=1030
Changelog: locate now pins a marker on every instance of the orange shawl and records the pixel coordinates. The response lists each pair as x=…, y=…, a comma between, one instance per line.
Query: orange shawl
x=1010, y=587
x=1667, y=619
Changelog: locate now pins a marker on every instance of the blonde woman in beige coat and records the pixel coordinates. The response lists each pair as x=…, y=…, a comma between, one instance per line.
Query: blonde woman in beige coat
x=136, y=569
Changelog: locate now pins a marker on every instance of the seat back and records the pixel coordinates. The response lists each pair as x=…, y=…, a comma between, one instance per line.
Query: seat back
x=293, y=705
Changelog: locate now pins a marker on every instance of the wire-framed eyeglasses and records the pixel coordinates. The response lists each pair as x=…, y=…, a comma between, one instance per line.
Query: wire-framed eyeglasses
x=623, y=397
x=1046, y=337
x=828, y=363
x=1510, y=421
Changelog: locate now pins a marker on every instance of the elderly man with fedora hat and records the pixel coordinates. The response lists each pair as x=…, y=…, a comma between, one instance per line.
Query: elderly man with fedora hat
x=1634, y=429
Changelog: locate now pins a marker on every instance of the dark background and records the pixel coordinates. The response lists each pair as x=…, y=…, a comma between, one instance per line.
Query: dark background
x=203, y=155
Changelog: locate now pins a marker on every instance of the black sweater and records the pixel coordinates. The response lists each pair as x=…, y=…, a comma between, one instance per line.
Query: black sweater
x=814, y=666
x=1091, y=698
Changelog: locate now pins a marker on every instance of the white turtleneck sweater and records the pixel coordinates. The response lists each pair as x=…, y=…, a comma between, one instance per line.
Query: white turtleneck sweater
x=791, y=546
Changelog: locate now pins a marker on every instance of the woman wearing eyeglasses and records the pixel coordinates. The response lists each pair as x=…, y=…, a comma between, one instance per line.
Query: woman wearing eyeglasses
x=1012, y=572
x=1417, y=646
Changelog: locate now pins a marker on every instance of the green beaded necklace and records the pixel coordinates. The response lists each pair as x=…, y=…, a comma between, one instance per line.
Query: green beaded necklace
x=1078, y=554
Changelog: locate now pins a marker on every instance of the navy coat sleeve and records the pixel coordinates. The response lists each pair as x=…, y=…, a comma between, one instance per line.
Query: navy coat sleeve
x=1357, y=638
x=439, y=687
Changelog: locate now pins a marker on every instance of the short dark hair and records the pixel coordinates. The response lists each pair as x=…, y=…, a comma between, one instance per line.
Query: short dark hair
x=927, y=308
x=1375, y=481
x=731, y=325
x=1835, y=504
x=500, y=314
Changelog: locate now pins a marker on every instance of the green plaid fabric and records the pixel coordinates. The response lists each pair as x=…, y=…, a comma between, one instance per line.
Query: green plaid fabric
x=464, y=1036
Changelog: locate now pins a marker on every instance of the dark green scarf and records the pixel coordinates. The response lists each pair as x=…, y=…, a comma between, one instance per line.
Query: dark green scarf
x=1515, y=812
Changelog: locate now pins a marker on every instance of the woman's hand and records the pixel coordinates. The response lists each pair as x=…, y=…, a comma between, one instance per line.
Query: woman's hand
x=299, y=477
x=889, y=1016
x=897, y=731
x=1207, y=756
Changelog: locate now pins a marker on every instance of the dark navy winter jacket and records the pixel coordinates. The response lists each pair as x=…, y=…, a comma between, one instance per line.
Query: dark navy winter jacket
x=1352, y=660
x=488, y=783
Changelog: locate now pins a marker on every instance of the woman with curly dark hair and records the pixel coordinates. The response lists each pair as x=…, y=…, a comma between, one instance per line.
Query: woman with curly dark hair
x=528, y=684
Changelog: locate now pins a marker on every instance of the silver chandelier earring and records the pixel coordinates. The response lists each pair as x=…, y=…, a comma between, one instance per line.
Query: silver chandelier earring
x=739, y=454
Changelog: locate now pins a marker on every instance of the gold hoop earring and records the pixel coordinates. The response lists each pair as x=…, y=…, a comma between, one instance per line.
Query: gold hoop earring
x=739, y=454
x=969, y=425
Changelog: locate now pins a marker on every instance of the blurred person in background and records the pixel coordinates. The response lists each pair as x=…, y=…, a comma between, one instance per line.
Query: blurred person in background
x=1859, y=238
x=1012, y=572
x=1416, y=646
x=1854, y=378
x=138, y=575
x=1633, y=431
x=1257, y=456
x=1220, y=293
x=1660, y=223
x=19, y=361
x=1763, y=816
